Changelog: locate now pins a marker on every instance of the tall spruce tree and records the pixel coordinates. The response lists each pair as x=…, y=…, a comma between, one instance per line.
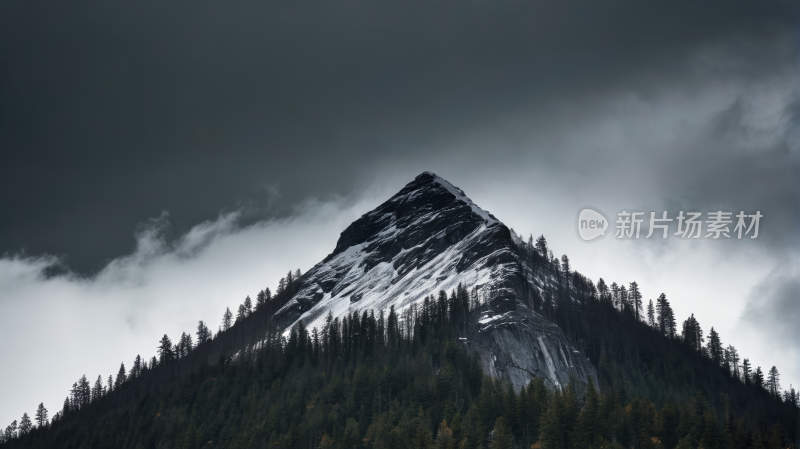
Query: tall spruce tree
x=773, y=382
x=732, y=356
x=122, y=376
x=281, y=287
x=185, y=345
x=552, y=425
x=589, y=429
x=501, y=435
x=541, y=246
x=746, y=372
x=692, y=334
x=227, y=319
x=164, y=350
x=11, y=430
x=624, y=301
x=136, y=369
x=241, y=313
x=41, y=415
x=203, y=333
x=261, y=300
x=758, y=378
x=615, y=299
x=715, y=347
x=248, y=305
x=84, y=391
x=98, y=390
x=25, y=425
x=635, y=299
x=602, y=291
x=666, y=318
x=566, y=271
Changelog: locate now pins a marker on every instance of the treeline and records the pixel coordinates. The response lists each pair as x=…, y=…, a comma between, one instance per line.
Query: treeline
x=569, y=296
x=396, y=380
x=180, y=358
x=641, y=357
x=651, y=355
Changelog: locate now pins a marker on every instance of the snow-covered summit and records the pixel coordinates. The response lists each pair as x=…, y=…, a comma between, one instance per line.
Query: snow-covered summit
x=429, y=237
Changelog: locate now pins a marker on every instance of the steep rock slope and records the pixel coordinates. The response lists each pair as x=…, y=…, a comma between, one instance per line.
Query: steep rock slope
x=430, y=237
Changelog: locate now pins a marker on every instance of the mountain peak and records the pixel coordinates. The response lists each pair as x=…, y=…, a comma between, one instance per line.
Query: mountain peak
x=427, y=238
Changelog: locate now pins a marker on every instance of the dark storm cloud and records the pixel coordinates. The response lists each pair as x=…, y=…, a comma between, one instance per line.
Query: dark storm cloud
x=111, y=113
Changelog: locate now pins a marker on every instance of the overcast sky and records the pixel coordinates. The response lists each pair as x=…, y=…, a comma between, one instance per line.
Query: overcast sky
x=162, y=161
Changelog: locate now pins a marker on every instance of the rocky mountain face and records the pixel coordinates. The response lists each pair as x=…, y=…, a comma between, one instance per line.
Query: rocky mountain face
x=431, y=237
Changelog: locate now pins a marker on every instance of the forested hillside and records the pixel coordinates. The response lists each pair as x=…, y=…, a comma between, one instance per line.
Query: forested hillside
x=387, y=380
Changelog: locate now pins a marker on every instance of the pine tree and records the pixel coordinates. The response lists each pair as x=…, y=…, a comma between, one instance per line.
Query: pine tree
x=603, y=291
x=732, y=356
x=777, y=439
x=692, y=333
x=773, y=382
x=684, y=443
x=281, y=287
x=41, y=415
x=589, y=428
x=241, y=313
x=121, y=375
x=669, y=422
x=501, y=436
x=552, y=427
x=666, y=319
x=715, y=347
x=185, y=345
x=203, y=333
x=84, y=391
x=615, y=295
x=261, y=299
x=226, y=319
x=566, y=269
x=758, y=378
x=25, y=425
x=711, y=438
x=136, y=370
x=164, y=350
x=651, y=315
x=729, y=433
x=11, y=430
x=98, y=391
x=248, y=305
x=636, y=299
x=746, y=374
x=541, y=246
x=444, y=436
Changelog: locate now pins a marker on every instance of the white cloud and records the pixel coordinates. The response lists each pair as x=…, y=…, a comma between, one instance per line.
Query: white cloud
x=55, y=330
